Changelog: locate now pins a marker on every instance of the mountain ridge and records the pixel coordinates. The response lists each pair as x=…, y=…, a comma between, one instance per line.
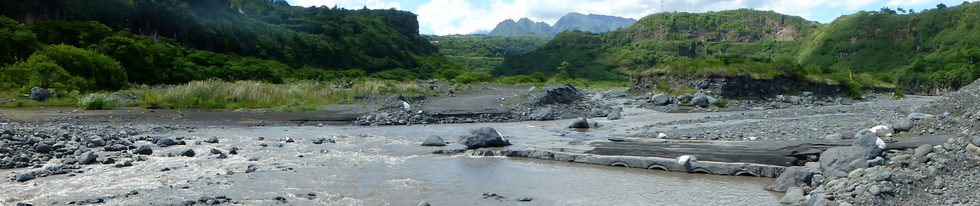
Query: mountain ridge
x=569, y=22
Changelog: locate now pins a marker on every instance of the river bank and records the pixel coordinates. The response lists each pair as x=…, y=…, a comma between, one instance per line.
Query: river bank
x=168, y=156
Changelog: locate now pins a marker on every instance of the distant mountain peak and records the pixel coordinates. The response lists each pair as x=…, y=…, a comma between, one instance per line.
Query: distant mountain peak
x=572, y=21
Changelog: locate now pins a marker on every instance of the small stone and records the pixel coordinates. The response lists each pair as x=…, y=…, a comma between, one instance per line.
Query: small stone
x=251, y=168
x=793, y=195
x=144, y=150
x=874, y=190
x=212, y=140
x=835, y=136
x=187, y=152
x=525, y=199
x=424, y=203
x=923, y=150
x=87, y=158
x=24, y=177
x=433, y=141
x=166, y=142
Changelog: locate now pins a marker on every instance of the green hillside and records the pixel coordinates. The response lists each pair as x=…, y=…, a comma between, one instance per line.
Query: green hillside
x=666, y=38
x=482, y=52
x=932, y=49
x=172, y=41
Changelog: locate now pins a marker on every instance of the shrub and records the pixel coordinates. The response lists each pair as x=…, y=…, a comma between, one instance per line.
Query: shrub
x=97, y=101
x=473, y=77
x=99, y=72
x=398, y=74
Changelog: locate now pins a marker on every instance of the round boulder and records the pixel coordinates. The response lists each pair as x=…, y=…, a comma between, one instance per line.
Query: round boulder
x=483, y=137
x=580, y=123
x=40, y=94
x=660, y=99
x=903, y=125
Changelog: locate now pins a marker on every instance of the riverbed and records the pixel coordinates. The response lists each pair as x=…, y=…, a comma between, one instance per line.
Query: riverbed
x=380, y=166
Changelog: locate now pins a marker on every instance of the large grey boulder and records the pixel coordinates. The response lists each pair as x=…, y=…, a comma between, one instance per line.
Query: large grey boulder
x=544, y=114
x=700, y=99
x=616, y=113
x=40, y=94
x=483, y=137
x=562, y=94
x=433, y=141
x=87, y=158
x=838, y=161
x=660, y=99
x=580, y=123
x=792, y=177
x=868, y=142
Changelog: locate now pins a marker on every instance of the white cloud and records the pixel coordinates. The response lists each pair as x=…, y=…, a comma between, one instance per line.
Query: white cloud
x=898, y=3
x=349, y=4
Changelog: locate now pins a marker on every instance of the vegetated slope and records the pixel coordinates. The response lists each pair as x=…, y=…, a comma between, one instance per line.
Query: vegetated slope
x=570, y=22
x=664, y=38
x=935, y=49
x=482, y=52
x=170, y=41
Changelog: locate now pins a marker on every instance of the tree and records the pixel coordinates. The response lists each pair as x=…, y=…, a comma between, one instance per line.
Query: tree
x=99, y=71
x=564, y=70
x=17, y=42
x=940, y=6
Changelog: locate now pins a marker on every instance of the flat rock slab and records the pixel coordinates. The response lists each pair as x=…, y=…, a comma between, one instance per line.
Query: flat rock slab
x=782, y=153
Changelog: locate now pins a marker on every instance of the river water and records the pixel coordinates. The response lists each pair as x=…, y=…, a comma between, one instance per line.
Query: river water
x=383, y=166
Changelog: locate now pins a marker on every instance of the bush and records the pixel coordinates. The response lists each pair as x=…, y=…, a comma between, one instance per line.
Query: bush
x=99, y=71
x=97, y=101
x=473, y=77
x=518, y=79
x=398, y=74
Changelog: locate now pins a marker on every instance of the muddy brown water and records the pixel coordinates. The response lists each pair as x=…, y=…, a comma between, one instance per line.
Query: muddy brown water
x=379, y=166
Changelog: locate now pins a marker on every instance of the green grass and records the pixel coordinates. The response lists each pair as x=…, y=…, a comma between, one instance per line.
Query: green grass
x=97, y=101
x=16, y=99
x=299, y=96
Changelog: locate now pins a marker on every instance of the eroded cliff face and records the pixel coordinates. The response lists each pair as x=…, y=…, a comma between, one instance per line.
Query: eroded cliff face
x=733, y=87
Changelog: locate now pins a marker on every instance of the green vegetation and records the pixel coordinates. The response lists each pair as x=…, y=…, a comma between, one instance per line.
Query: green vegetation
x=932, y=49
x=299, y=96
x=482, y=52
x=97, y=101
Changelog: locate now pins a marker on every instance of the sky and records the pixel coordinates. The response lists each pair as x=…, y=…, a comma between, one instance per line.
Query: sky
x=444, y=17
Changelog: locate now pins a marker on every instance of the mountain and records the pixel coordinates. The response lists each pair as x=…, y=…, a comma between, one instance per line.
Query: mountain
x=930, y=50
x=172, y=41
x=522, y=27
x=591, y=23
x=570, y=22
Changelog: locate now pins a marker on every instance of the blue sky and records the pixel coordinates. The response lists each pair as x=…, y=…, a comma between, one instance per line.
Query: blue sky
x=444, y=17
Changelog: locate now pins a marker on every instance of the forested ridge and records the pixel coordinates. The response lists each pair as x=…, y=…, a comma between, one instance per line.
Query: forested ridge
x=174, y=41
x=931, y=50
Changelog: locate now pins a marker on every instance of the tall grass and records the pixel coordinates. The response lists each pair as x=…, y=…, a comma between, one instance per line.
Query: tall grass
x=298, y=96
x=97, y=101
